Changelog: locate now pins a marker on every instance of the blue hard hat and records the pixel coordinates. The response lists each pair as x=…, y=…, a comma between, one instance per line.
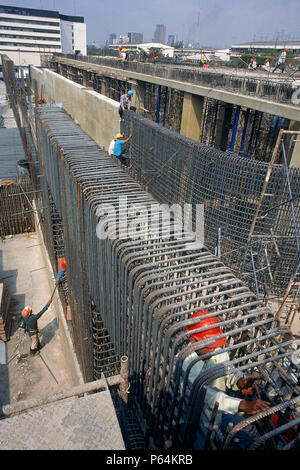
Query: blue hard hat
x=130, y=93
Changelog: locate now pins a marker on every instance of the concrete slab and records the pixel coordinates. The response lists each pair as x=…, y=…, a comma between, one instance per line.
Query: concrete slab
x=87, y=423
x=23, y=270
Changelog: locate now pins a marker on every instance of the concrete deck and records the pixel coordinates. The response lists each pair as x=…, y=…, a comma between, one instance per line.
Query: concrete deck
x=87, y=423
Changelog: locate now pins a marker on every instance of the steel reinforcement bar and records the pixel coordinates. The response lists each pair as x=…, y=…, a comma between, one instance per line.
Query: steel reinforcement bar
x=146, y=284
x=176, y=169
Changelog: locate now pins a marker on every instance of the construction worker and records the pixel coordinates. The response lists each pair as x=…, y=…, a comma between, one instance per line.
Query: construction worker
x=112, y=146
x=118, y=149
x=230, y=407
x=252, y=64
x=125, y=102
x=281, y=61
x=29, y=323
x=266, y=65
x=123, y=54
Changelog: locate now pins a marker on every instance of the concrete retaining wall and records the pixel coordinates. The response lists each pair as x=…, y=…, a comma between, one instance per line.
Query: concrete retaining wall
x=96, y=114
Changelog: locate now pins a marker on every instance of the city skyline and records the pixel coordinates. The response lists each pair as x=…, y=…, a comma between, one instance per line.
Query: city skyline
x=213, y=23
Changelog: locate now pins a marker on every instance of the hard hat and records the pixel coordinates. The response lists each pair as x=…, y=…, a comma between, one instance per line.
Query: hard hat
x=26, y=311
x=251, y=60
x=209, y=333
x=120, y=48
x=124, y=50
x=130, y=93
x=118, y=136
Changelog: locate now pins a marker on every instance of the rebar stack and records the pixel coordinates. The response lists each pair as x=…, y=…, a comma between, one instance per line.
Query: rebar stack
x=145, y=288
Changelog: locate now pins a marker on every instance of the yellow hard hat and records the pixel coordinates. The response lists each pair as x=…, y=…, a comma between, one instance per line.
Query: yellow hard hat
x=124, y=50
x=118, y=136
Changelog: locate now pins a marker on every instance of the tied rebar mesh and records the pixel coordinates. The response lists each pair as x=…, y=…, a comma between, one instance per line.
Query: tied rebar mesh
x=144, y=289
x=175, y=169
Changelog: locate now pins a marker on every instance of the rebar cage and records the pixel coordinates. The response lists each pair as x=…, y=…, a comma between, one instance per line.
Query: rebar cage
x=146, y=287
x=175, y=169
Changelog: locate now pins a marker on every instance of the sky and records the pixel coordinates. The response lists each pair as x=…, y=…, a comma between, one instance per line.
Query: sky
x=215, y=23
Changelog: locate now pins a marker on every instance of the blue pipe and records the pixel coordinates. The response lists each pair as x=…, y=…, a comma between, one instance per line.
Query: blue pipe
x=244, y=132
x=236, y=121
x=165, y=107
x=158, y=104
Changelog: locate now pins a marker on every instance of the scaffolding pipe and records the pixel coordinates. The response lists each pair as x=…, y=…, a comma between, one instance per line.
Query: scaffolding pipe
x=234, y=130
x=25, y=405
x=124, y=385
x=252, y=133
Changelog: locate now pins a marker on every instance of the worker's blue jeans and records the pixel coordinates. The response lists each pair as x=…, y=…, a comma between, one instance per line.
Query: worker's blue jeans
x=124, y=160
x=245, y=436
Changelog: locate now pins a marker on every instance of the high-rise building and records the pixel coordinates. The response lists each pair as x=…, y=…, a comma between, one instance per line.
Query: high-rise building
x=27, y=33
x=160, y=34
x=136, y=38
x=111, y=38
x=172, y=39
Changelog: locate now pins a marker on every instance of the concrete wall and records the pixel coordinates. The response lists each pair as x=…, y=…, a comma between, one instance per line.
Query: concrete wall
x=96, y=114
x=24, y=58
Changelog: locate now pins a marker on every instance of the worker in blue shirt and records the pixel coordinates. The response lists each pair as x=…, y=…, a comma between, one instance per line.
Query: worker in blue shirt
x=118, y=151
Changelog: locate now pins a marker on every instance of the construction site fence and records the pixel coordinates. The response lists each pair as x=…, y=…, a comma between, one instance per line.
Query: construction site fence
x=275, y=89
x=146, y=288
x=16, y=213
x=178, y=170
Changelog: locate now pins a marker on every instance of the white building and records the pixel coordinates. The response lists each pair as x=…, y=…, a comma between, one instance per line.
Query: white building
x=26, y=34
x=262, y=46
x=167, y=51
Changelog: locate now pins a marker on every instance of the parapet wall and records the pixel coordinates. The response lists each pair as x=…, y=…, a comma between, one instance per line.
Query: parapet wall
x=96, y=114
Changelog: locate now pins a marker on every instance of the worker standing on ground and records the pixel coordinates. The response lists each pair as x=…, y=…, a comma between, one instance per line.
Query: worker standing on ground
x=230, y=407
x=281, y=61
x=118, y=151
x=125, y=102
x=29, y=323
